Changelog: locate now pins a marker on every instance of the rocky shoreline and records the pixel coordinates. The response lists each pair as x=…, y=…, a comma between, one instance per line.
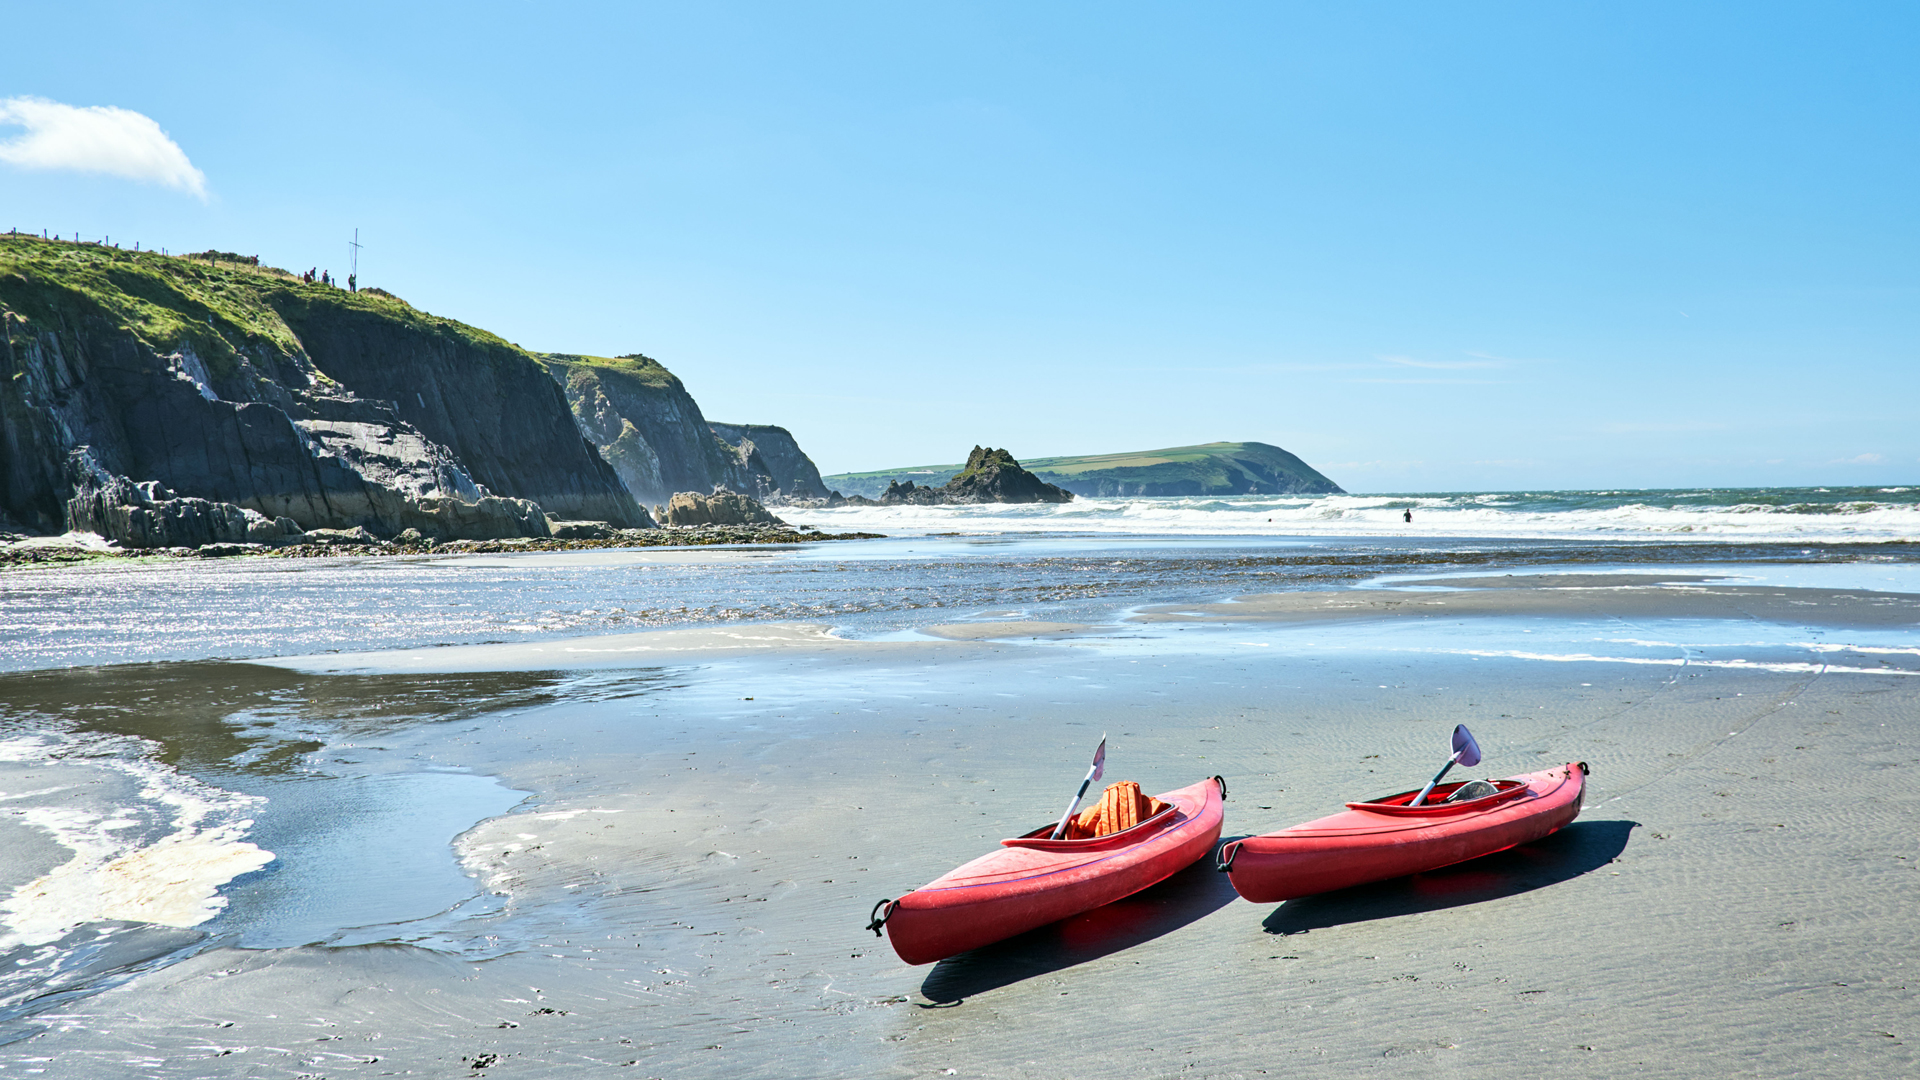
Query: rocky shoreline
x=24, y=552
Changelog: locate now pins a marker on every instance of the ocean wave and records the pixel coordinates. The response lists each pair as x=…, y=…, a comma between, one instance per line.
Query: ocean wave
x=1785, y=515
x=147, y=844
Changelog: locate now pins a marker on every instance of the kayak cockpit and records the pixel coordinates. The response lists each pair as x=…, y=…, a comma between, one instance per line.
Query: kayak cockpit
x=1040, y=839
x=1437, y=801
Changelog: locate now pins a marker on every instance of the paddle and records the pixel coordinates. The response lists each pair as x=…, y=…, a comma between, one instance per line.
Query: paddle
x=1099, y=767
x=1465, y=752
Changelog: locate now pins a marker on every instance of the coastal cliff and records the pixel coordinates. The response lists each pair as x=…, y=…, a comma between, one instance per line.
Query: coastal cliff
x=792, y=473
x=165, y=400
x=650, y=429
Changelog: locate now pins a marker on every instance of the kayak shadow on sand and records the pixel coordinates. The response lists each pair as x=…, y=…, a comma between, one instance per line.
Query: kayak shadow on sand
x=1580, y=848
x=1186, y=897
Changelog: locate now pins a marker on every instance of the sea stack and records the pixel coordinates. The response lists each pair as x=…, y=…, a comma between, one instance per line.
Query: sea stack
x=991, y=476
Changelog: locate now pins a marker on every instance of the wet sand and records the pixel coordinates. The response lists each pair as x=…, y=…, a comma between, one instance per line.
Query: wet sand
x=684, y=895
x=1631, y=597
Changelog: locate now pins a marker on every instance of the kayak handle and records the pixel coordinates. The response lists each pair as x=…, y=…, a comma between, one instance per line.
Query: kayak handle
x=875, y=920
x=1222, y=781
x=1583, y=768
x=1223, y=859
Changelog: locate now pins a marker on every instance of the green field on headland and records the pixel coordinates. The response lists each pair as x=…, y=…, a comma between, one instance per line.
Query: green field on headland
x=1218, y=468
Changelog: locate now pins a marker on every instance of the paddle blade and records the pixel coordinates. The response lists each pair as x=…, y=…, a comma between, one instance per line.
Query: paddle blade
x=1465, y=750
x=1099, y=761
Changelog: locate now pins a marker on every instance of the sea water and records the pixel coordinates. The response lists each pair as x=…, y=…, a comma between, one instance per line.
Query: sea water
x=1779, y=515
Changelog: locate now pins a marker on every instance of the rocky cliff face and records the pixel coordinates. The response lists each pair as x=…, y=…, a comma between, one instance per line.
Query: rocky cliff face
x=644, y=422
x=792, y=473
x=142, y=386
x=652, y=431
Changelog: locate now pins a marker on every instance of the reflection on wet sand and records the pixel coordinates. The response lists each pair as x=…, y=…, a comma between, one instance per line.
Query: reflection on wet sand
x=211, y=715
x=152, y=805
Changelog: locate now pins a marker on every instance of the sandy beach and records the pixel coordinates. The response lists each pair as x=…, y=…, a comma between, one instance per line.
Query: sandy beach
x=526, y=531
x=682, y=891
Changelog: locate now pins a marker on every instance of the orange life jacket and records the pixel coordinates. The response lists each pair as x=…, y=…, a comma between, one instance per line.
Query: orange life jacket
x=1121, y=807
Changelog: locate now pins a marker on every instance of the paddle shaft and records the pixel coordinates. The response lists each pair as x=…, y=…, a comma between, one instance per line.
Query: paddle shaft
x=1060, y=829
x=1421, y=799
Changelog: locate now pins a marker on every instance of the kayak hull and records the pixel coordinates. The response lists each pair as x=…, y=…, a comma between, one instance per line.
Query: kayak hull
x=1032, y=881
x=1374, y=841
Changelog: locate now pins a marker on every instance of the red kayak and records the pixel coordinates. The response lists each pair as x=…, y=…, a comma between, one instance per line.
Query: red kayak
x=1387, y=838
x=1032, y=880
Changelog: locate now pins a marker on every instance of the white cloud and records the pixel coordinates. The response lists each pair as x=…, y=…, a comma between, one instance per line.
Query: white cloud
x=1507, y=359
x=1863, y=459
x=1639, y=427
x=1445, y=365
x=95, y=138
x=1431, y=382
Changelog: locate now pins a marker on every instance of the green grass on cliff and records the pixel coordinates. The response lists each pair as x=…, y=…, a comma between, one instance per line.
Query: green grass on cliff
x=644, y=369
x=1137, y=459
x=164, y=301
x=222, y=309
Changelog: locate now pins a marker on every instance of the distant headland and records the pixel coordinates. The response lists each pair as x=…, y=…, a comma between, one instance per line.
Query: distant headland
x=1220, y=468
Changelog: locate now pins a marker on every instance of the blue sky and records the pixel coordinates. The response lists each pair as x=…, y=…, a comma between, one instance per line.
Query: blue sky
x=1424, y=246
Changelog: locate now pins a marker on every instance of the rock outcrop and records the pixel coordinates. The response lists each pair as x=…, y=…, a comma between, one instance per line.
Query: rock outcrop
x=690, y=508
x=150, y=516
x=156, y=399
x=990, y=476
x=908, y=493
x=652, y=432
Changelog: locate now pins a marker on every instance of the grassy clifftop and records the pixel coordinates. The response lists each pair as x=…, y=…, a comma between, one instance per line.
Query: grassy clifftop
x=222, y=309
x=644, y=369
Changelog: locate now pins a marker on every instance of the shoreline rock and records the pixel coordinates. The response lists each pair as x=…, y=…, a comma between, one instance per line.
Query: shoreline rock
x=17, y=552
x=720, y=508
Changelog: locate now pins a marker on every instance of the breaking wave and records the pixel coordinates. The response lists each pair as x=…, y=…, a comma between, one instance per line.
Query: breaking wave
x=1784, y=515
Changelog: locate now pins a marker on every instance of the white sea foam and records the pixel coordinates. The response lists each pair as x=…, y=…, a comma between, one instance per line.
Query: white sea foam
x=150, y=844
x=1559, y=515
x=1787, y=667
